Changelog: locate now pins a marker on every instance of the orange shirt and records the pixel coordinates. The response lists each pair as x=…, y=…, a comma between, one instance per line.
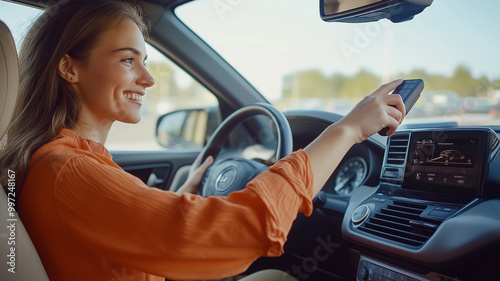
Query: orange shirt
x=91, y=220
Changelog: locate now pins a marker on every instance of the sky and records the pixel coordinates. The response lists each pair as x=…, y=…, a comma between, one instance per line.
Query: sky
x=447, y=34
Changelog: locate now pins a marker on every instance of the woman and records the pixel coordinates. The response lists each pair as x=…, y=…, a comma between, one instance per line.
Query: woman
x=82, y=68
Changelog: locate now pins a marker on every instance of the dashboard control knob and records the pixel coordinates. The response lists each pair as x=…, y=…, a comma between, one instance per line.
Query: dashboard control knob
x=363, y=273
x=360, y=215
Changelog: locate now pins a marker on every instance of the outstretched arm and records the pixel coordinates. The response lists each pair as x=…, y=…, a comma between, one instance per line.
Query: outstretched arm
x=373, y=113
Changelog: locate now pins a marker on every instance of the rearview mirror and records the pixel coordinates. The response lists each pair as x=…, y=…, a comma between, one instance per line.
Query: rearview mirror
x=371, y=10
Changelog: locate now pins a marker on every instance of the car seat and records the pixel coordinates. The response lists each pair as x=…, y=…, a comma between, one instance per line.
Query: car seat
x=18, y=257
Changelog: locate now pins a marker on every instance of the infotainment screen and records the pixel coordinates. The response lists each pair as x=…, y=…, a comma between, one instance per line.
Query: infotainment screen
x=446, y=162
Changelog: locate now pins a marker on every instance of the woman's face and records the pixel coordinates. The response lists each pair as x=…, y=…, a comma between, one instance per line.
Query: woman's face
x=114, y=80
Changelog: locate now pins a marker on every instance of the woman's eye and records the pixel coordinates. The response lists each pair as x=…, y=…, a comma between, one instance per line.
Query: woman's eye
x=128, y=60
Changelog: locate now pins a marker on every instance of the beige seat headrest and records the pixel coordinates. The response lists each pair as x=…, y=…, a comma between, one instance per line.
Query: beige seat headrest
x=9, y=77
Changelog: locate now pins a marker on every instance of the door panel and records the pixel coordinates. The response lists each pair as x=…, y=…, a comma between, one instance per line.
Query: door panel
x=157, y=167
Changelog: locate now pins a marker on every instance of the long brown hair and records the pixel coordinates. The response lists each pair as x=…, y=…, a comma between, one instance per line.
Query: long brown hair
x=46, y=102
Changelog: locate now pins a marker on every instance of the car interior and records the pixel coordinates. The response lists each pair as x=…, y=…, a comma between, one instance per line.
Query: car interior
x=421, y=204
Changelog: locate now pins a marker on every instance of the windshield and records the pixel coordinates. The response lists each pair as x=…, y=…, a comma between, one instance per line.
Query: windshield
x=297, y=61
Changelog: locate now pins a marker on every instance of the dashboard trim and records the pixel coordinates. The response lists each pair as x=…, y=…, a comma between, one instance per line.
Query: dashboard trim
x=477, y=225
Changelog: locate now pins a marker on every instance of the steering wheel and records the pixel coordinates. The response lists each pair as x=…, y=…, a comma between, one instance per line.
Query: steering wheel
x=232, y=174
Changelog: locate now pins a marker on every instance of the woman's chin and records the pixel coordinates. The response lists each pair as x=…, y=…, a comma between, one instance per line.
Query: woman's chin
x=131, y=119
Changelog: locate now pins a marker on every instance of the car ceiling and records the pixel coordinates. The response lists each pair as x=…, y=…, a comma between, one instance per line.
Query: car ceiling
x=156, y=6
x=45, y=3
x=156, y=3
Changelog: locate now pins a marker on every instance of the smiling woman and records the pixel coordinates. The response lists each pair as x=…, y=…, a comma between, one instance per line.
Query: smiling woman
x=82, y=68
x=44, y=80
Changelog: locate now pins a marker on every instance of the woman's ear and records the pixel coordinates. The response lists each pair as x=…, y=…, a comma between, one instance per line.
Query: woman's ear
x=67, y=69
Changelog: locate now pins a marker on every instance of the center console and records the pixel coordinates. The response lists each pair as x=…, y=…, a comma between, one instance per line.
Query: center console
x=431, y=190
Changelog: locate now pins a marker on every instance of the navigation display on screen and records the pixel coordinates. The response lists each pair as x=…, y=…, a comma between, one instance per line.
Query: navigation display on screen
x=449, y=153
x=450, y=164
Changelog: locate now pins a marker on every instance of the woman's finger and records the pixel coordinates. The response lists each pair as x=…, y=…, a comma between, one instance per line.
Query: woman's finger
x=393, y=126
x=387, y=88
x=200, y=171
x=396, y=102
x=395, y=114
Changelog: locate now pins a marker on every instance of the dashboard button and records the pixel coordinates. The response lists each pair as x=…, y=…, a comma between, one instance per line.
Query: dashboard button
x=371, y=271
x=389, y=274
x=379, y=270
x=394, y=174
x=379, y=199
x=401, y=277
x=439, y=214
x=360, y=214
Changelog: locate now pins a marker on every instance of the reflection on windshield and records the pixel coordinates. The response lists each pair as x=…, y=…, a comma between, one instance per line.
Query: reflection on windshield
x=298, y=61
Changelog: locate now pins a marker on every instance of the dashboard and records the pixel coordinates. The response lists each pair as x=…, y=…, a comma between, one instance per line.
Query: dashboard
x=432, y=204
x=422, y=204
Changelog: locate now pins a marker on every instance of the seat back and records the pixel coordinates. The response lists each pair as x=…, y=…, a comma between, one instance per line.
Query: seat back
x=19, y=260
x=18, y=257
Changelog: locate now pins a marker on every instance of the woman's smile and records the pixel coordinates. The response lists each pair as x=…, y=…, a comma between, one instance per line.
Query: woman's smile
x=134, y=97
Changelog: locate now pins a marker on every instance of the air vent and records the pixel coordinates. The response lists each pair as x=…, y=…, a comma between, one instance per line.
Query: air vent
x=397, y=149
x=401, y=222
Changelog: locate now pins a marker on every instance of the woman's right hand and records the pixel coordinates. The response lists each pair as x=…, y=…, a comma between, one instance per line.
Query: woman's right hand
x=372, y=114
x=193, y=182
x=375, y=112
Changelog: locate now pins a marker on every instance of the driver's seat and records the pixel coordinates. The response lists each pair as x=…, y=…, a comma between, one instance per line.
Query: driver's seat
x=18, y=257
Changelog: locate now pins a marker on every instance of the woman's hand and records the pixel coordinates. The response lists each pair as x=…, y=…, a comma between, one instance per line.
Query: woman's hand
x=193, y=182
x=375, y=112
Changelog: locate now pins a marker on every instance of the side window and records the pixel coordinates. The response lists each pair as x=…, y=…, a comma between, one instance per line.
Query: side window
x=174, y=91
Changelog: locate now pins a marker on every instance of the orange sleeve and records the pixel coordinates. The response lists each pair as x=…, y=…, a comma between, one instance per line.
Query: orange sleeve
x=181, y=237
